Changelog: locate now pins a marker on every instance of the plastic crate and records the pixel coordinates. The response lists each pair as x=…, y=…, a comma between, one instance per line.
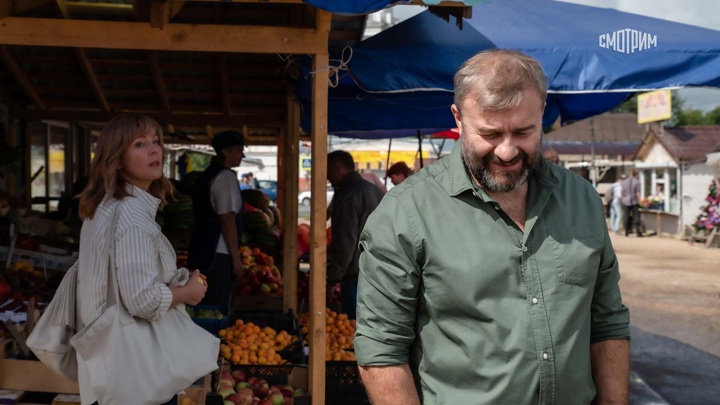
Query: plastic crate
x=343, y=384
x=211, y=325
x=274, y=375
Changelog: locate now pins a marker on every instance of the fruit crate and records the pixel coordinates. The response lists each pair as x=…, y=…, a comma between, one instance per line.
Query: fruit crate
x=209, y=324
x=274, y=375
x=343, y=384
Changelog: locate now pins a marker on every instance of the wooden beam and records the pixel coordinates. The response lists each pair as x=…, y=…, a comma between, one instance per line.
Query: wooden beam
x=5, y=9
x=175, y=37
x=318, y=215
x=179, y=119
x=158, y=79
x=20, y=77
x=159, y=13
x=22, y=375
x=290, y=152
x=92, y=79
x=224, y=85
x=62, y=10
x=79, y=7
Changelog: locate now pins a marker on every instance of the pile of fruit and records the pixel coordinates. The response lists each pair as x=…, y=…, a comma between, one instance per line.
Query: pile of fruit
x=247, y=343
x=204, y=313
x=339, y=335
x=238, y=389
x=261, y=276
x=261, y=222
x=303, y=289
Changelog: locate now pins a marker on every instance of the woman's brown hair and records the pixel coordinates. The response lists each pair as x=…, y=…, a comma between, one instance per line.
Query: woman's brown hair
x=106, y=177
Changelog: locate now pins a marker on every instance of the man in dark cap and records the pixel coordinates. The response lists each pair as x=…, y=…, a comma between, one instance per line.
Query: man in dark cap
x=217, y=209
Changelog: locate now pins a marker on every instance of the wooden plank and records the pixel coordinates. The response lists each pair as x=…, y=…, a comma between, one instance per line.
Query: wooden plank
x=179, y=119
x=318, y=214
x=20, y=76
x=158, y=79
x=28, y=375
x=159, y=13
x=224, y=85
x=92, y=79
x=289, y=192
x=175, y=37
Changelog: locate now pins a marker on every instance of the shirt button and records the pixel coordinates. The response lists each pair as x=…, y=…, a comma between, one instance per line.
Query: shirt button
x=534, y=300
x=524, y=248
x=545, y=356
x=497, y=208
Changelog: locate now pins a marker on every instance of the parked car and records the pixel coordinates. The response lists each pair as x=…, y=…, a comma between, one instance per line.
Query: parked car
x=269, y=188
x=305, y=196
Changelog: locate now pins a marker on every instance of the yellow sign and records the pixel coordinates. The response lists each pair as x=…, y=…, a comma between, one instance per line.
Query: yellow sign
x=654, y=106
x=377, y=160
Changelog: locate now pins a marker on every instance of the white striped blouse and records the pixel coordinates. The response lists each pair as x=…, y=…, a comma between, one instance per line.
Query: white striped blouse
x=144, y=259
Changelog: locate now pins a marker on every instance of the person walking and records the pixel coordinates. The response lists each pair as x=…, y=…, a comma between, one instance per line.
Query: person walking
x=616, y=207
x=478, y=283
x=126, y=175
x=630, y=202
x=398, y=172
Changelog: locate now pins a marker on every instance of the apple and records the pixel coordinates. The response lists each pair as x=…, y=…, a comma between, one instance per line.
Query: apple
x=226, y=376
x=298, y=392
x=244, y=397
x=242, y=385
x=226, y=402
x=260, y=387
x=238, y=375
x=251, y=380
x=287, y=392
x=276, y=399
x=264, y=402
x=225, y=392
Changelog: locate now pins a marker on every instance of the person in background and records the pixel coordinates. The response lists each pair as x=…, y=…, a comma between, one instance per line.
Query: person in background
x=373, y=179
x=552, y=156
x=126, y=175
x=218, y=220
x=353, y=201
x=245, y=182
x=398, y=172
x=252, y=181
x=489, y=277
x=630, y=202
x=615, y=202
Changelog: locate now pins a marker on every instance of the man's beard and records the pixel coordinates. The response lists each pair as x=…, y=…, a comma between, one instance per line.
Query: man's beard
x=502, y=181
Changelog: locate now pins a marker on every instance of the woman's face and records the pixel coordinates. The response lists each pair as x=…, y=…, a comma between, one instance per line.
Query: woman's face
x=142, y=161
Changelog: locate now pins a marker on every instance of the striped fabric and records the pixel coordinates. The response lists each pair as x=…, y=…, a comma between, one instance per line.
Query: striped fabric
x=145, y=263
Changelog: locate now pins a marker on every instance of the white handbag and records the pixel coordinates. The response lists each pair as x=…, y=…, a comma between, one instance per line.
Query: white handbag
x=50, y=338
x=135, y=361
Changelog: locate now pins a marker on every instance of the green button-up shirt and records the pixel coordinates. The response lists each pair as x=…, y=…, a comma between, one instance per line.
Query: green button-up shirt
x=483, y=312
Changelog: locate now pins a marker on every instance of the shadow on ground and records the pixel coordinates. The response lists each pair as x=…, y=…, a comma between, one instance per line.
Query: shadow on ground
x=679, y=373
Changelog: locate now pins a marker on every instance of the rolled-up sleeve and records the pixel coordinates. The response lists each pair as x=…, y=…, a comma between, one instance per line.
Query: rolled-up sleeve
x=610, y=317
x=143, y=292
x=388, y=285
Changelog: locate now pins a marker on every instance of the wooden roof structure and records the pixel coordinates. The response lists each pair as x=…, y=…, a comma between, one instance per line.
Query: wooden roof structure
x=197, y=67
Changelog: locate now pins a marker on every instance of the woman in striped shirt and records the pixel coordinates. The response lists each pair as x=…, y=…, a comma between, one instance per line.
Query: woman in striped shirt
x=126, y=174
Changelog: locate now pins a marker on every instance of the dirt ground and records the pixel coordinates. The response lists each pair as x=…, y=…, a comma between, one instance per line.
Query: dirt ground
x=672, y=288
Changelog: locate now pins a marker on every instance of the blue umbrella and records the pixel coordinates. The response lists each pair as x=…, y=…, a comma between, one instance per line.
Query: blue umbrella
x=595, y=58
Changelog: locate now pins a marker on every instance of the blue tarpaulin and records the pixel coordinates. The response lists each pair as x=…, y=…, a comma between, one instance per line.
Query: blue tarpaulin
x=369, y=6
x=401, y=79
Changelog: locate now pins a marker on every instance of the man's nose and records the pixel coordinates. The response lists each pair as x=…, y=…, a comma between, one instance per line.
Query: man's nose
x=506, y=149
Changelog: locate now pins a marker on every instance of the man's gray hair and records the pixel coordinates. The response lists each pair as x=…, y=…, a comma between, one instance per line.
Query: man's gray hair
x=497, y=77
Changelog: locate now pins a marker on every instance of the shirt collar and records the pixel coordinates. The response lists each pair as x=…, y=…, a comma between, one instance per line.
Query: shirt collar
x=546, y=174
x=149, y=202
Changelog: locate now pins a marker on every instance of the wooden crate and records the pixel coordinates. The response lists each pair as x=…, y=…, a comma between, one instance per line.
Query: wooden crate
x=197, y=391
x=66, y=399
x=29, y=375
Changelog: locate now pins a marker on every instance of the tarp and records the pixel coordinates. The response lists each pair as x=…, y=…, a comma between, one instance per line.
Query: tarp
x=401, y=79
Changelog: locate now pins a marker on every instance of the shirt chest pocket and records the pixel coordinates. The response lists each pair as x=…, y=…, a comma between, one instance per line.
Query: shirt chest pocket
x=576, y=254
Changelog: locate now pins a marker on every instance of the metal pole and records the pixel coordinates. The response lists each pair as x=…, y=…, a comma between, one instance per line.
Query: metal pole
x=387, y=165
x=592, y=153
x=420, y=148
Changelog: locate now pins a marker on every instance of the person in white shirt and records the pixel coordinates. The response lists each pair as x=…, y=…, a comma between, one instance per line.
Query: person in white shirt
x=126, y=174
x=218, y=225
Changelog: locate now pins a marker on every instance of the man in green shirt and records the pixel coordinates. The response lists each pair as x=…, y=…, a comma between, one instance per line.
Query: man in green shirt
x=489, y=277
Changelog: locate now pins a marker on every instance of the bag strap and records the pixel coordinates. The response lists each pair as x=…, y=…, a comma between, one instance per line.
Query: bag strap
x=113, y=293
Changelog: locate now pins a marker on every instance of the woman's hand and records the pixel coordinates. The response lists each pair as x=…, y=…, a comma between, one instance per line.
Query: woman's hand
x=196, y=288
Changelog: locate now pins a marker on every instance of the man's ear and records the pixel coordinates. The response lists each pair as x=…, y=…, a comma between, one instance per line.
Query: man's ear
x=456, y=114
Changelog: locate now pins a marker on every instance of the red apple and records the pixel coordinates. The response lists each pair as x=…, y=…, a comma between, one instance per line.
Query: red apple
x=238, y=375
x=276, y=399
x=260, y=387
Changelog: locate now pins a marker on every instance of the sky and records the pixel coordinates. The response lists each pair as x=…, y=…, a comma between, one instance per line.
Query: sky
x=703, y=13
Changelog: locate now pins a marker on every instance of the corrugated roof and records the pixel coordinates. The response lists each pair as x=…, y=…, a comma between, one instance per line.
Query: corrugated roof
x=609, y=127
x=689, y=142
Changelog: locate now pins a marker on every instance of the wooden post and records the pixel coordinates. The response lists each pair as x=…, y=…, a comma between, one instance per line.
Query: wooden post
x=318, y=214
x=290, y=153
